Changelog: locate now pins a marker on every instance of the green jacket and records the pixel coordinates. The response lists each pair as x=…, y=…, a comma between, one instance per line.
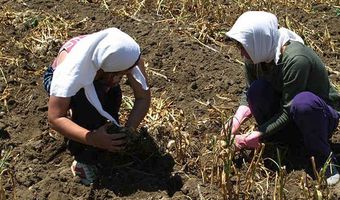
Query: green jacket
x=299, y=69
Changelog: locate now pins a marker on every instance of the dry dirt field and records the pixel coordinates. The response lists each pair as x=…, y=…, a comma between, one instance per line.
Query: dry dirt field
x=196, y=80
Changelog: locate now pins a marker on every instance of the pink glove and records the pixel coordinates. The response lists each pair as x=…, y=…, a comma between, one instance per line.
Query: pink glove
x=250, y=140
x=242, y=113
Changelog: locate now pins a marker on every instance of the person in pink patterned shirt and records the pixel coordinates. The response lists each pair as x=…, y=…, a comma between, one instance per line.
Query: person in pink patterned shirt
x=85, y=79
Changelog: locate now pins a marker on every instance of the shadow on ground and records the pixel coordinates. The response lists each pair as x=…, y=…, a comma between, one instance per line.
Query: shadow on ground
x=146, y=169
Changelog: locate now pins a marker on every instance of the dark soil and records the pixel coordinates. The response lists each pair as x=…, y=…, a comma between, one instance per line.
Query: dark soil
x=40, y=164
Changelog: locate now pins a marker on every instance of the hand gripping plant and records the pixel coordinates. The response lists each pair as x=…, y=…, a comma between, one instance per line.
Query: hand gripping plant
x=140, y=143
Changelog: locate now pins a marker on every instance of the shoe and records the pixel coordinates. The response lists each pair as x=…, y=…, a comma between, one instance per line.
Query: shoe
x=87, y=173
x=332, y=175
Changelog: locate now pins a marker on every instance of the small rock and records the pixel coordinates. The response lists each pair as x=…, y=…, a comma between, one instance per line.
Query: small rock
x=193, y=85
x=35, y=161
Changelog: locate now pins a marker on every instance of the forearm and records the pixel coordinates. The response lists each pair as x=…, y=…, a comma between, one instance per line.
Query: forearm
x=71, y=130
x=273, y=125
x=142, y=99
x=139, y=110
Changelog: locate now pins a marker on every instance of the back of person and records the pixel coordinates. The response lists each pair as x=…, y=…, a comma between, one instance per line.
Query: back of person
x=63, y=51
x=89, y=118
x=67, y=47
x=311, y=67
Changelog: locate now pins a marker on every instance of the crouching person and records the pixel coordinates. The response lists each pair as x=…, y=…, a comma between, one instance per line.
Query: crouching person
x=84, y=87
x=288, y=93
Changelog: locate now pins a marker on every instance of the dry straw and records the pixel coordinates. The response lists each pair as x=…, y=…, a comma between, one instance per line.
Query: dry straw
x=205, y=21
x=4, y=163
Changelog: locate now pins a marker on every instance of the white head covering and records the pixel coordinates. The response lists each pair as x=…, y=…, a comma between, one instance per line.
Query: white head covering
x=258, y=32
x=110, y=50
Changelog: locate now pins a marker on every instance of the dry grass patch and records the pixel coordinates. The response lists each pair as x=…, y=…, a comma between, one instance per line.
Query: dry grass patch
x=4, y=163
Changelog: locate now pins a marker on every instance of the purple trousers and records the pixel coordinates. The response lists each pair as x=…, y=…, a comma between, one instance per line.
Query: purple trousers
x=313, y=119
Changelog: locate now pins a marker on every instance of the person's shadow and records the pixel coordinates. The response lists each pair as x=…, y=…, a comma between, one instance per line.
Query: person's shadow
x=145, y=169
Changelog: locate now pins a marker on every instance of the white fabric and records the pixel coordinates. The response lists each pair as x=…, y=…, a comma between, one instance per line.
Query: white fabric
x=111, y=50
x=258, y=32
x=91, y=95
x=285, y=36
x=139, y=77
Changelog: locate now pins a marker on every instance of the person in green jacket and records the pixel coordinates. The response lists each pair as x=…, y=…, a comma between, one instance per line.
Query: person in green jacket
x=287, y=89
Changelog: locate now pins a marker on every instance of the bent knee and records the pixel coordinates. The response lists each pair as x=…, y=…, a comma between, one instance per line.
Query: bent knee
x=305, y=102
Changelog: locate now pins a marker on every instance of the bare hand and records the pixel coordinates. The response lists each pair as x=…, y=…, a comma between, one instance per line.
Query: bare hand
x=111, y=142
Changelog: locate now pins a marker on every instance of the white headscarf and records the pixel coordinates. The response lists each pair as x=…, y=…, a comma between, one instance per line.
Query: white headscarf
x=110, y=50
x=258, y=32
